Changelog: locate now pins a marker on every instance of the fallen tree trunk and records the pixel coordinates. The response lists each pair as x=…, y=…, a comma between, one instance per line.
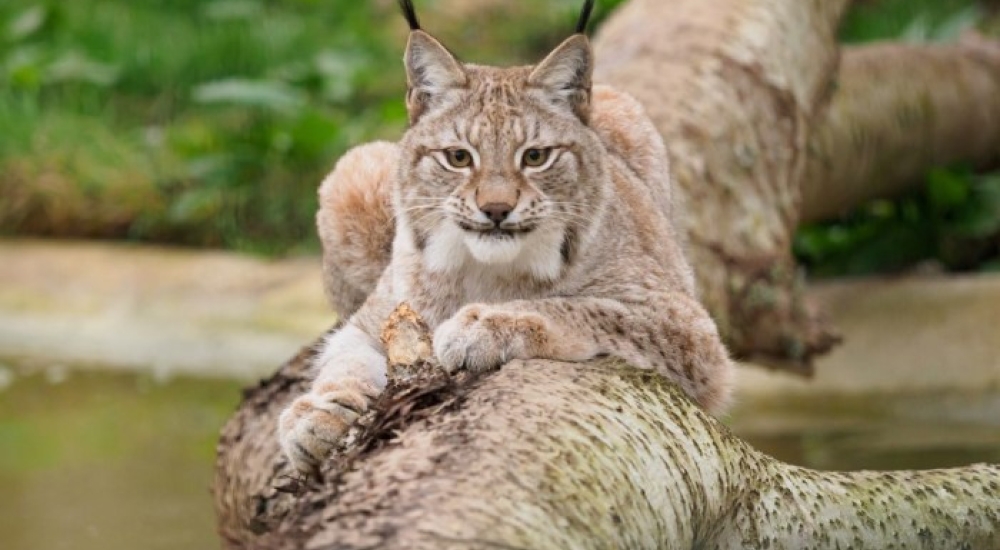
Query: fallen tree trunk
x=899, y=110
x=735, y=87
x=548, y=455
x=739, y=92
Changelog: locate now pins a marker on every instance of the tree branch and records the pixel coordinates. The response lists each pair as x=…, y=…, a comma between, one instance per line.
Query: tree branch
x=554, y=455
x=739, y=92
x=734, y=87
x=899, y=110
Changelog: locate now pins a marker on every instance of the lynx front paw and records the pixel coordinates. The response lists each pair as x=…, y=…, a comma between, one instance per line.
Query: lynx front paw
x=311, y=426
x=480, y=337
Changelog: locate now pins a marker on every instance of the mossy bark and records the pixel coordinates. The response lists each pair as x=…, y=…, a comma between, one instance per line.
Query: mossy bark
x=556, y=455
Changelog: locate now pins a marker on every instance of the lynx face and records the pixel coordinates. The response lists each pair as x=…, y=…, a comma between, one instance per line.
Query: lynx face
x=502, y=168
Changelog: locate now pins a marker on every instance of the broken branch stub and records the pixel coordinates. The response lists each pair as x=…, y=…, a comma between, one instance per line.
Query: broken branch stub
x=407, y=342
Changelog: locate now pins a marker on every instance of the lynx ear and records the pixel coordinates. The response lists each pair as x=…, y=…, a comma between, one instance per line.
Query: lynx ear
x=430, y=71
x=565, y=74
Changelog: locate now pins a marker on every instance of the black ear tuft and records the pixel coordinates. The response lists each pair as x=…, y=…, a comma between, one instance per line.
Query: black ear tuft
x=581, y=23
x=410, y=14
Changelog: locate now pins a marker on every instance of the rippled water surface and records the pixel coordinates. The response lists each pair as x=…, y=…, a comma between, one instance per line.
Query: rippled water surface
x=111, y=461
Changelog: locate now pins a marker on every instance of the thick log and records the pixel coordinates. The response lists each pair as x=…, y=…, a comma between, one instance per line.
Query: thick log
x=553, y=455
x=548, y=455
x=734, y=87
x=739, y=92
x=899, y=110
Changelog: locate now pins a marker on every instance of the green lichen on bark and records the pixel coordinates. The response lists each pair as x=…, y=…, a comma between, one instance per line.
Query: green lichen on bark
x=545, y=454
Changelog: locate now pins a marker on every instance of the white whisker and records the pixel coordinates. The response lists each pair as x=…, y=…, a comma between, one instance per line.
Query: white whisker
x=420, y=207
x=568, y=218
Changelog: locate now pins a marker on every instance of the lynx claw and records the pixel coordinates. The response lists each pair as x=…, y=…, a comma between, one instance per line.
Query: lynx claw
x=314, y=423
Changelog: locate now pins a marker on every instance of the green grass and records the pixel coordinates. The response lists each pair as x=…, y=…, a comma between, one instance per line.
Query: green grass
x=211, y=122
x=206, y=122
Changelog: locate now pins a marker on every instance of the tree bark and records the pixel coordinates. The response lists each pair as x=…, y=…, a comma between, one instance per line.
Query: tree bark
x=900, y=109
x=734, y=88
x=739, y=91
x=555, y=455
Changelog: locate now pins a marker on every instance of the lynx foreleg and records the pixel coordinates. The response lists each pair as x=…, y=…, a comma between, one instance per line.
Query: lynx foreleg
x=674, y=336
x=350, y=373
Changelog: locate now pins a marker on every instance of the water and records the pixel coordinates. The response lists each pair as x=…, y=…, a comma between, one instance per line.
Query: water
x=116, y=461
x=109, y=461
x=879, y=432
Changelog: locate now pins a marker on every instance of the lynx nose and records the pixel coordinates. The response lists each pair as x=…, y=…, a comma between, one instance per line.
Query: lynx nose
x=497, y=212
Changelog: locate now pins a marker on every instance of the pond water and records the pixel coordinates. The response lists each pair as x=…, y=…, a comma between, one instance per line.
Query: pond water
x=109, y=461
x=877, y=432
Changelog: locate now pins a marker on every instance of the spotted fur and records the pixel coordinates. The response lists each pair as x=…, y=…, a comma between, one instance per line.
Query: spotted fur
x=582, y=259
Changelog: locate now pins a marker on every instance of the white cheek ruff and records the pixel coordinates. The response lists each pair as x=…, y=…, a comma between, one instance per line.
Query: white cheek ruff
x=446, y=249
x=542, y=254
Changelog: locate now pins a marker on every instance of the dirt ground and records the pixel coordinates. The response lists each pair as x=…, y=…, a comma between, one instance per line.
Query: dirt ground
x=223, y=314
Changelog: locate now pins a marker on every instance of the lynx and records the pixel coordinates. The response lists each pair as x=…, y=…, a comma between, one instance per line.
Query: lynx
x=524, y=214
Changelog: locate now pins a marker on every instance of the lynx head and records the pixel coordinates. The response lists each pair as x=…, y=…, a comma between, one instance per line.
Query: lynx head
x=499, y=166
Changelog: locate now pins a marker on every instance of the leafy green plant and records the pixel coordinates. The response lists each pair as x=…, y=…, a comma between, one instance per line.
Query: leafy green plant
x=954, y=219
x=911, y=20
x=211, y=122
x=233, y=109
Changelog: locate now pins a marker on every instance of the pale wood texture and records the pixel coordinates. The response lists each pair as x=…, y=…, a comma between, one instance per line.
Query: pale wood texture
x=766, y=130
x=898, y=110
x=734, y=87
x=549, y=455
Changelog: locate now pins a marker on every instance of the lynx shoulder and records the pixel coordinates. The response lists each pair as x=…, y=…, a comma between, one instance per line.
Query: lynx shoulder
x=524, y=214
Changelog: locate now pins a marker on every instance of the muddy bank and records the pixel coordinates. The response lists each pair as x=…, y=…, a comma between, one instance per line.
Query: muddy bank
x=151, y=308
x=223, y=314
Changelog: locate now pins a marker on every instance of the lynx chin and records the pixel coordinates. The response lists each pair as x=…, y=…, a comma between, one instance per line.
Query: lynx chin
x=524, y=214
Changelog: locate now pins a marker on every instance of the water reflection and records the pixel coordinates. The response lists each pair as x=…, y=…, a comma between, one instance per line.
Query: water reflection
x=109, y=461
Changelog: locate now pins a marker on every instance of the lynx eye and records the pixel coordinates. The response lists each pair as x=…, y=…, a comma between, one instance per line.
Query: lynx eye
x=458, y=158
x=534, y=158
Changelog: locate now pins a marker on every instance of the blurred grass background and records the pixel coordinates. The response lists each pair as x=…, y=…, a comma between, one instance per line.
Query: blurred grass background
x=211, y=122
